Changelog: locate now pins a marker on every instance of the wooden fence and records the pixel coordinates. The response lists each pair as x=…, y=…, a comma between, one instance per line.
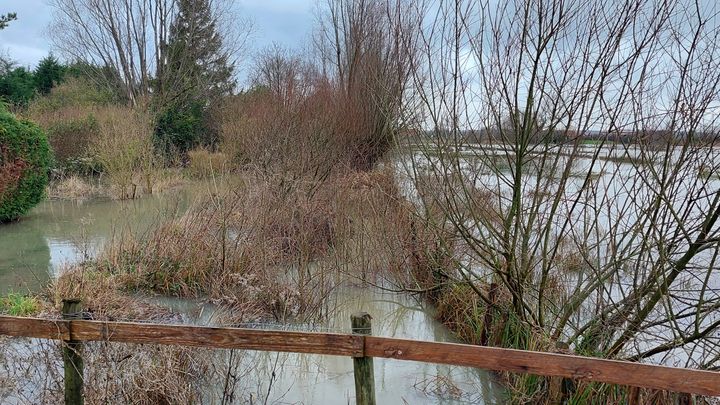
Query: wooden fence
x=361, y=346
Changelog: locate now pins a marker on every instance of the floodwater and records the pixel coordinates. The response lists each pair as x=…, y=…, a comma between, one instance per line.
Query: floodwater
x=60, y=233
x=288, y=378
x=605, y=202
x=328, y=379
x=57, y=233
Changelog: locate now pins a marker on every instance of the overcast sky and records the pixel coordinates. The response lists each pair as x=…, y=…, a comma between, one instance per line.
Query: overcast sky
x=288, y=22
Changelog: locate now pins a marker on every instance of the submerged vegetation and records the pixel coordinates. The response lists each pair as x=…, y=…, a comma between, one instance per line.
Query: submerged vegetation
x=470, y=154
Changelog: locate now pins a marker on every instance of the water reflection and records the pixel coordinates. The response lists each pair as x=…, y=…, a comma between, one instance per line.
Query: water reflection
x=57, y=233
x=286, y=378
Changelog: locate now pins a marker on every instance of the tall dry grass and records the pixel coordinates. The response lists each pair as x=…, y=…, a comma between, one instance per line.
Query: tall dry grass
x=125, y=150
x=73, y=187
x=204, y=163
x=239, y=248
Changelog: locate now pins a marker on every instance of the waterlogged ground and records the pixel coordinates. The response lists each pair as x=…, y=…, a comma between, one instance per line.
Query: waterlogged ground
x=327, y=380
x=59, y=233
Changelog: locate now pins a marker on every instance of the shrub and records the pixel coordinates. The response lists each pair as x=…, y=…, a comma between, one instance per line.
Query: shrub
x=181, y=128
x=124, y=149
x=288, y=138
x=70, y=138
x=314, y=131
x=69, y=115
x=82, y=166
x=72, y=92
x=24, y=164
x=296, y=119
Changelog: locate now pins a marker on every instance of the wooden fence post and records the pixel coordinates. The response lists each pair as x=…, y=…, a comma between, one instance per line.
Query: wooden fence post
x=72, y=359
x=633, y=396
x=559, y=387
x=363, y=366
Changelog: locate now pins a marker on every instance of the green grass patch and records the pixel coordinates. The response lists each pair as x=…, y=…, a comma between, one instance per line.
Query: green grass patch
x=15, y=304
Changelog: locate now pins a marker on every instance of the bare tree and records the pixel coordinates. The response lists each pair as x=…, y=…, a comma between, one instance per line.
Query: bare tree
x=131, y=36
x=364, y=45
x=288, y=76
x=608, y=247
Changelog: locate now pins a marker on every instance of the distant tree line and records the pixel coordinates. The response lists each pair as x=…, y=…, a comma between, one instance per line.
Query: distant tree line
x=559, y=136
x=19, y=85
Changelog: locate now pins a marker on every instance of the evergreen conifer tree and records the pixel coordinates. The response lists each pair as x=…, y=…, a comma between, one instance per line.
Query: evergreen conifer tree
x=6, y=18
x=48, y=74
x=195, y=55
x=196, y=72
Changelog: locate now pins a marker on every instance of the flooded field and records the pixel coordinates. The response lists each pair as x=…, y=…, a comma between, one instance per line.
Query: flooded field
x=60, y=233
x=57, y=234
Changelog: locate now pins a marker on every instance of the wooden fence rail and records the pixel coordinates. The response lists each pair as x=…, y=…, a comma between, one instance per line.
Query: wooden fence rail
x=365, y=346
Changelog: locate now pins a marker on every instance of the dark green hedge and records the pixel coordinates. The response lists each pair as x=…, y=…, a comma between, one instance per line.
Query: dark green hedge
x=24, y=162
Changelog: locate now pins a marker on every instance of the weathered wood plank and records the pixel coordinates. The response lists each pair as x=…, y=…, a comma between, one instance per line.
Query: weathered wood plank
x=548, y=364
x=34, y=328
x=488, y=358
x=226, y=338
